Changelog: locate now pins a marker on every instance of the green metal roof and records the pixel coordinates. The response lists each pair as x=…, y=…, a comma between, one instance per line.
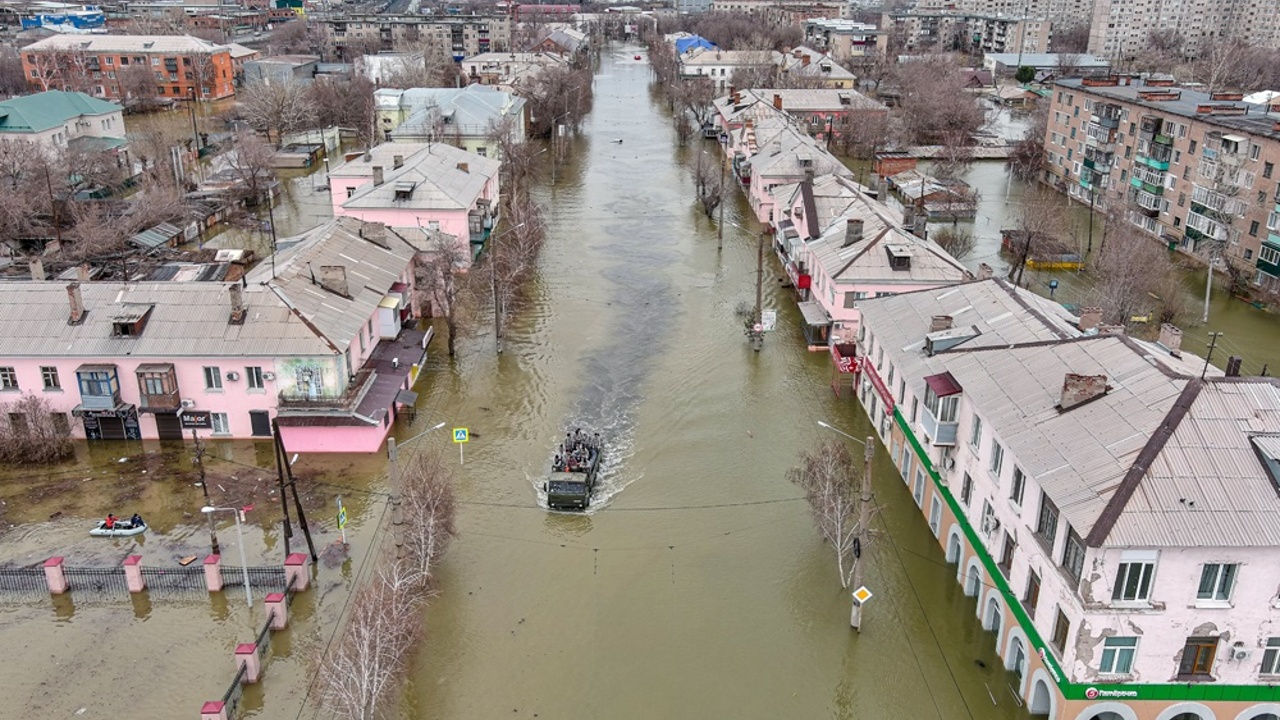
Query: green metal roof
x=47, y=110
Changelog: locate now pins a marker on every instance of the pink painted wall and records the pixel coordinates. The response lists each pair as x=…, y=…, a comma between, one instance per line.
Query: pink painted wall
x=453, y=222
x=347, y=439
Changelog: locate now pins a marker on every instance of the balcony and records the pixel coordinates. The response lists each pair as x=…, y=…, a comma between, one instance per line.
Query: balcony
x=941, y=406
x=942, y=433
x=1206, y=227
x=1137, y=182
x=158, y=388
x=1166, y=140
x=99, y=387
x=1147, y=203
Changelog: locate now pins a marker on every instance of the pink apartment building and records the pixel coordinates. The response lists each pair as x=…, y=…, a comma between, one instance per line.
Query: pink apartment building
x=1110, y=507
x=840, y=246
x=428, y=186
x=318, y=344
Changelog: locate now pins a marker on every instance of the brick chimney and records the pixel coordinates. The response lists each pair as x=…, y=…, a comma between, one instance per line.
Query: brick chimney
x=939, y=323
x=804, y=61
x=1171, y=339
x=37, y=268
x=1077, y=389
x=377, y=175
x=334, y=279
x=985, y=272
x=777, y=101
x=852, y=231
x=76, y=301
x=374, y=232
x=237, y=304
x=82, y=272
x=1090, y=318
x=397, y=162
x=1105, y=329
x=464, y=167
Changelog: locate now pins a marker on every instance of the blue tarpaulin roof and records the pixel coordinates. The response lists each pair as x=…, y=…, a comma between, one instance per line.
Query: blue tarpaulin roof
x=683, y=45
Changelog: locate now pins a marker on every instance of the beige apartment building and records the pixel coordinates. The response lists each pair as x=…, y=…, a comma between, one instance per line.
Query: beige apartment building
x=1194, y=170
x=1120, y=28
x=462, y=35
x=954, y=30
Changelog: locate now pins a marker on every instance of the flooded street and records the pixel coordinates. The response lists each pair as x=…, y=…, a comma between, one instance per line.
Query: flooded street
x=697, y=587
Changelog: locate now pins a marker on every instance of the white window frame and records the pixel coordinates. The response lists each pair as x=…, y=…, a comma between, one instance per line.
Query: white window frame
x=996, y=463
x=917, y=490
x=1018, y=486
x=253, y=376
x=1117, y=652
x=212, y=378
x=966, y=490
x=1136, y=566
x=1218, y=596
x=1271, y=657
x=221, y=424
x=975, y=433
x=935, y=515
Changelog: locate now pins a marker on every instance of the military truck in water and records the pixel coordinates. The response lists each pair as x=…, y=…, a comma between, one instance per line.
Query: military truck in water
x=573, y=472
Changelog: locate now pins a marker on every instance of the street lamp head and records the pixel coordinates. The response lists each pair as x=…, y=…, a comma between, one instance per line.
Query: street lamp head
x=207, y=509
x=825, y=425
x=437, y=426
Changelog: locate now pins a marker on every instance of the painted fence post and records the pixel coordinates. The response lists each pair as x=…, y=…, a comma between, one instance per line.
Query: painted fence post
x=54, y=576
x=295, y=572
x=279, y=611
x=247, y=657
x=213, y=710
x=133, y=574
x=213, y=573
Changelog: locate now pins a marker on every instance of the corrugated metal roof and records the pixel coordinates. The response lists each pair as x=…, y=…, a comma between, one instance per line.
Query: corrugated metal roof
x=432, y=176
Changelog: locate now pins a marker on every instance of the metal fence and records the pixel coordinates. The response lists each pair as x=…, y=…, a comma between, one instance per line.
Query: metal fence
x=174, y=579
x=263, y=641
x=23, y=581
x=100, y=579
x=235, y=693
x=267, y=579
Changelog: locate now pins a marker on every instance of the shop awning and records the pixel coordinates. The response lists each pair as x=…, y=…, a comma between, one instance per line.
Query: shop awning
x=813, y=313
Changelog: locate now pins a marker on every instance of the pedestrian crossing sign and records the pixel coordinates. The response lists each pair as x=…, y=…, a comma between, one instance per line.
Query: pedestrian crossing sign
x=342, y=517
x=862, y=594
x=461, y=435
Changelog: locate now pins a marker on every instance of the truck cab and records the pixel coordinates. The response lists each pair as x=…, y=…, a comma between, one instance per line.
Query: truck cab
x=568, y=491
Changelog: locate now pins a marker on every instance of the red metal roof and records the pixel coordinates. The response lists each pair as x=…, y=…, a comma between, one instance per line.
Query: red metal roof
x=943, y=384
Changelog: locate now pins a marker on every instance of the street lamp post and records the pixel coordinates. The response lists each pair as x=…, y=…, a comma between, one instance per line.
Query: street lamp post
x=493, y=284
x=864, y=518
x=393, y=485
x=244, y=564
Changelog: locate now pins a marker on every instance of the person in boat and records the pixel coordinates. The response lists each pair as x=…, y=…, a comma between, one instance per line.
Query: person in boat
x=136, y=520
x=110, y=522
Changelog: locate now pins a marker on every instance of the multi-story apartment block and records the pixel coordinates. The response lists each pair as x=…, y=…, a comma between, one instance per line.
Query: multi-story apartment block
x=1121, y=28
x=460, y=35
x=184, y=67
x=316, y=341
x=946, y=30
x=1193, y=169
x=1111, y=508
x=843, y=38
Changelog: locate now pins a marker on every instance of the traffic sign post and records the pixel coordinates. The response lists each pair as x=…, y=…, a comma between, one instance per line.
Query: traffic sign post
x=342, y=520
x=461, y=436
x=861, y=595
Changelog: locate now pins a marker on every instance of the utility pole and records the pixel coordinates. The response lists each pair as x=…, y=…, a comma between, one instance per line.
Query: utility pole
x=284, y=499
x=493, y=288
x=724, y=197
x=1089, y=251
x=297, y=501
x=1213, y=342
x=393, y=488
x=756, y=331
x=1208, y=285
x=864, y=519
x=204, y=485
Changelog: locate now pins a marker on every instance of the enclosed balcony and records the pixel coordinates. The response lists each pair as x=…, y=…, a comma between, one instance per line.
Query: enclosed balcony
x=158, y=388
x=99, y=387
x=941, y=408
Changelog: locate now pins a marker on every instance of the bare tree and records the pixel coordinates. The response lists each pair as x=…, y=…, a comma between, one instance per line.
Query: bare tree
x=1070, y=65
x=361, y=675
x=1218, y=64
x=708, y=177
x=958, y=242
x=513, y=260
x=1071, y=37
x=32, y=433
x=830, y=482
x=933, y=103
x=954, y=158
x=277, y=107
x=138, y=83
x=1041, y=217
x=1132, y=273
x=427, y=504
x=46, y=70
x=442, y=284
x=1027, y=158
x=559, y=96
x=13, y=80
x=347, y=104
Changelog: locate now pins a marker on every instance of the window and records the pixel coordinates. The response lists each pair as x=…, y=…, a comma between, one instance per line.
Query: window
x=254, y=376
x=1267, y=169
x=918, y=491
x=1192, y=147
x=1197, y=658
x=212, y=378
x=1073, y=555
x=1133, y=580
x=902, y=388
x=1253, y=228
x=1271, y=657
x=915, y=408
x=935, y=515
x=1032, y=596
x=49, y=376
x=966, y=490
x=1117, y=655
x=997, y=458
x=1216, y=581
x=1019, y=486
x=1061, y=629
x=1006, y=554
x=1254, y=152
x=220, y=425
x=943, y=409
x=1046, y=525
x=8, y=378
x=975, y=432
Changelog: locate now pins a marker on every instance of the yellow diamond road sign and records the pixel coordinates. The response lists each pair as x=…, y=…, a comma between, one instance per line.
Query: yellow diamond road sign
x=461, y=435
x=862, y=594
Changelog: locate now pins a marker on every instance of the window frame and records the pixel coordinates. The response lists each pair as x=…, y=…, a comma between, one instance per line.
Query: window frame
x=996, y=462
x=975, y=433
x=1201, y=646
x=1074, y=548
x=212, y=378
x=221, y=423
x=1222, y=573
x=1122, y=649
x=1061, y=632
x=1135, y=579
x=9, y=378
x=1270, y=657
x=966, y=490
x=49, y=377
x=1018, y=486
x=253, y=378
